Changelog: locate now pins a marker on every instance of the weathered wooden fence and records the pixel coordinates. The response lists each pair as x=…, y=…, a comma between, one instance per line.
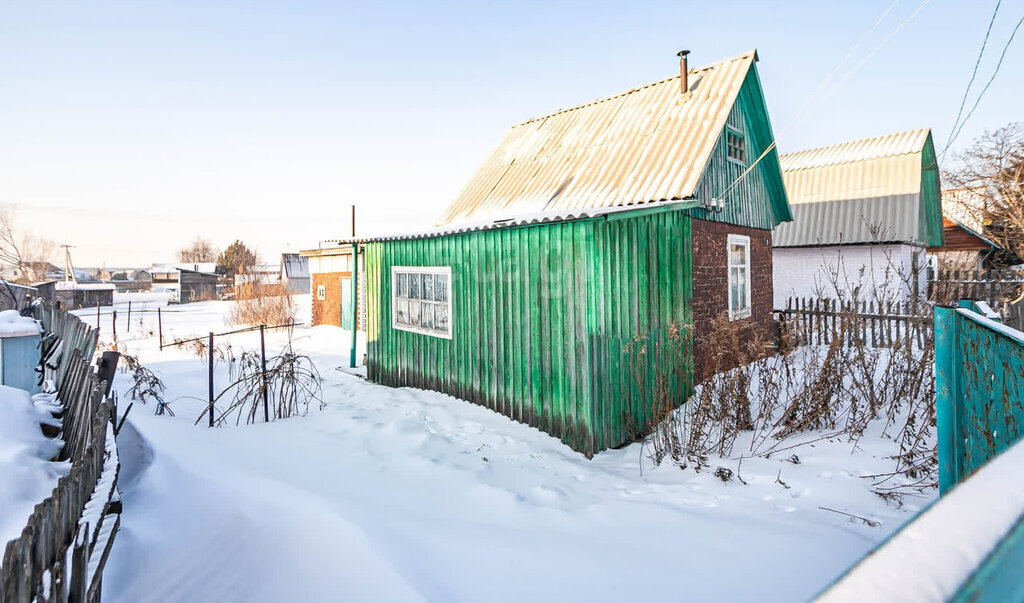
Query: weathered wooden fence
x=820, y=321
x=1003, y=290
x=63, y=547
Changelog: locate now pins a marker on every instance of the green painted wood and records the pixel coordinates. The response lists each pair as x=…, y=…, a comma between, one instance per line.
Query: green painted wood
x=979, y=391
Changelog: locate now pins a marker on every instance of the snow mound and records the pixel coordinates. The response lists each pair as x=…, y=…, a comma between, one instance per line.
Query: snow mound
x=27, y=476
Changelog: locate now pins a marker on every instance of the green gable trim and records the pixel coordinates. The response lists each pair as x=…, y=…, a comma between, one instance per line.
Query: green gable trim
x=758, y=199
x=930, y=228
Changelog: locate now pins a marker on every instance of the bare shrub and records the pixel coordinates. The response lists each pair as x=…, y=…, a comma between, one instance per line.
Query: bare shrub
x=147, y=386
x=660, y=366
x=262, y=303
x=290, y=383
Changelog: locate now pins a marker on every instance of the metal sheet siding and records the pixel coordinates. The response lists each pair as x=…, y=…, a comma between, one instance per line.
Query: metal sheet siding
x=882, y=189
x=540, y=317
x=648, y=144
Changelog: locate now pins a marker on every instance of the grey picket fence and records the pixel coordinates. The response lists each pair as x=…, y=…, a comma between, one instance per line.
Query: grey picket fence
x=876, y=324
x=60, y=554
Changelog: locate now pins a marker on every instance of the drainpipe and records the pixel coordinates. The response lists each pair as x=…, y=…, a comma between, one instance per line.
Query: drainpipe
x=355, y=290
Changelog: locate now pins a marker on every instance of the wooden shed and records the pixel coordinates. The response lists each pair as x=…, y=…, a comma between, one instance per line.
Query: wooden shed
x=634, y=220
x=70, y=295
x=194, y=286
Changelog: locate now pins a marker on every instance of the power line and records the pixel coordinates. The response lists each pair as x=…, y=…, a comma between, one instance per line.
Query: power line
x=987, y=84
x=863, y=61
x=974, y=74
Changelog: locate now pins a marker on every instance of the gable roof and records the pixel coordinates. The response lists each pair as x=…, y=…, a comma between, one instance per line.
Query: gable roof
x=881, y=189
x=645, y=145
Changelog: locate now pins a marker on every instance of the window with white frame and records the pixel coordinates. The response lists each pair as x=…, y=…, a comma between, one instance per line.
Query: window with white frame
x=421, y=299
x=734, y=144
x=321, y=292
x=739, y=277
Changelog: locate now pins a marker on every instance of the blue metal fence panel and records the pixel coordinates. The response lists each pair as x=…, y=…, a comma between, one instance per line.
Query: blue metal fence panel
x=979, y=390
x=20, y=356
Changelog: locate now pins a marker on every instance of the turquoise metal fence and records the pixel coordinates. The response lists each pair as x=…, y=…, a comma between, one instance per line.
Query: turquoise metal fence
x=979, y=386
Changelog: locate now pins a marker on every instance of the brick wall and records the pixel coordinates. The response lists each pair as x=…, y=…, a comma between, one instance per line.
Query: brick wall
x=711, y=282
x=327, y=311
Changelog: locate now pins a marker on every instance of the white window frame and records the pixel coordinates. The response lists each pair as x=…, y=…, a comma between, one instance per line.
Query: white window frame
x=321, y=292
x=738, y=132
x=744, y=240
x=445, y=270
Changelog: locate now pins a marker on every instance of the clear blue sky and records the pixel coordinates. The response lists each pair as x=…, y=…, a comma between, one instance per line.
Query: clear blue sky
x=126, y=128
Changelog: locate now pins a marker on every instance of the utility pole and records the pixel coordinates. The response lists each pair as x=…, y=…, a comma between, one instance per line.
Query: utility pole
x=69, y=268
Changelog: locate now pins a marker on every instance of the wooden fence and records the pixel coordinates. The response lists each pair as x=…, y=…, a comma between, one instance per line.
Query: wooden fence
x=816, y=321
x=1002, y=290
x=62, y=549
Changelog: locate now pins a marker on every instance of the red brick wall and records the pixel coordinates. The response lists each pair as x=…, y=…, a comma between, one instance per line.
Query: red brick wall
x=328, y=311
x=711, y=283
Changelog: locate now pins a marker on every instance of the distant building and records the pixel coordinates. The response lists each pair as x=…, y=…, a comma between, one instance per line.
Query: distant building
x=295, y=272
x=965, y=246
x=194, y=285
x=15, y=297
x=72, y=296
x=330, y=282
x=864, y=213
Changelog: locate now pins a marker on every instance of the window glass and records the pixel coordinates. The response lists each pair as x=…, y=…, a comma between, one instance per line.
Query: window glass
x=739, y=276
x=735, y=144
x=421, y=300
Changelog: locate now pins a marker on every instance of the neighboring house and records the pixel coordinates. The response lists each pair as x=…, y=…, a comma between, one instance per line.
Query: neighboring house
x=863, y=214
x=72, y=296
x=330, y=282
x=164, y=274
x=587, y=236
x=965, y=246
x=194, y=285
x=295, y=272
x=261, y=273
x=14, y=296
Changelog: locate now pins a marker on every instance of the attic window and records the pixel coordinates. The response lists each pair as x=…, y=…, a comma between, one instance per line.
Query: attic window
x=734, y=144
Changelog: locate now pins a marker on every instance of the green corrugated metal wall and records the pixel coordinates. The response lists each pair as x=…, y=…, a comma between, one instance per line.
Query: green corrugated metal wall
x=540, y=318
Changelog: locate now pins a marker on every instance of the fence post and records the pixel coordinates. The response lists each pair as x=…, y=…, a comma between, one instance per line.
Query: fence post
x=945, y=395
x=113, y=324
x=160, y=327
x=129, y=330
x=211, y=378
x=79, y=561
x=263, y=360
x=97, y=316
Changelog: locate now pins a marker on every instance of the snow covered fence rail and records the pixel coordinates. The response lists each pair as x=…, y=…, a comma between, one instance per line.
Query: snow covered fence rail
x=60, y=553
x=820, y=321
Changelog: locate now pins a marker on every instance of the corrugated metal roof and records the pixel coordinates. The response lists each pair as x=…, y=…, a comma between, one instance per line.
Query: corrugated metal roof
x=295, y=266
x=856, y=192
x=891, y=145
x=645, y=145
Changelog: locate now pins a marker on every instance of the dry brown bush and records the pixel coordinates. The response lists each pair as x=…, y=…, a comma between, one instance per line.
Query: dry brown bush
x=262, y=303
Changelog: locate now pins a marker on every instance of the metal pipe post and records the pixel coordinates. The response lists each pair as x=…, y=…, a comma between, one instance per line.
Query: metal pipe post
x=211, y=378
x=263, y=359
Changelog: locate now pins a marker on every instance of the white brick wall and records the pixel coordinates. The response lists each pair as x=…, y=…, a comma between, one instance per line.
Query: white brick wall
x=834, y=271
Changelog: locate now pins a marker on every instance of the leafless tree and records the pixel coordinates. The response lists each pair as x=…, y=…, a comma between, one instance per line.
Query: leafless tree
x=993, y=170
x=201, y=250
x=25, y=252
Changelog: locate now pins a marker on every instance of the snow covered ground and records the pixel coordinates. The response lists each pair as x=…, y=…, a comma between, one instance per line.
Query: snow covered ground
x=27, y=476
x=402, y=494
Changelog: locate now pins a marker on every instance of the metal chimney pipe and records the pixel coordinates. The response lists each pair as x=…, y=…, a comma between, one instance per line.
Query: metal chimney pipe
x=684, y=83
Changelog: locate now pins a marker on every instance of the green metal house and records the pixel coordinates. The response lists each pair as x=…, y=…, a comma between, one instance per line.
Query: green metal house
x=583, y=233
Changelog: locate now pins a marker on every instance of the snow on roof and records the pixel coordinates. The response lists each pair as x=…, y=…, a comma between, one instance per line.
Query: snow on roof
x=13, y=324
x=70, y=285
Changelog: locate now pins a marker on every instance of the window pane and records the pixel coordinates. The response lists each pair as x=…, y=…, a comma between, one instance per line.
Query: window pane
x=441, y=287
x=428, y=286
x=441, y=317
x=414, y=313
x=403, y=312
x=403, y=284
x=414, y=286
x=737, y=257
x=427, y=316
